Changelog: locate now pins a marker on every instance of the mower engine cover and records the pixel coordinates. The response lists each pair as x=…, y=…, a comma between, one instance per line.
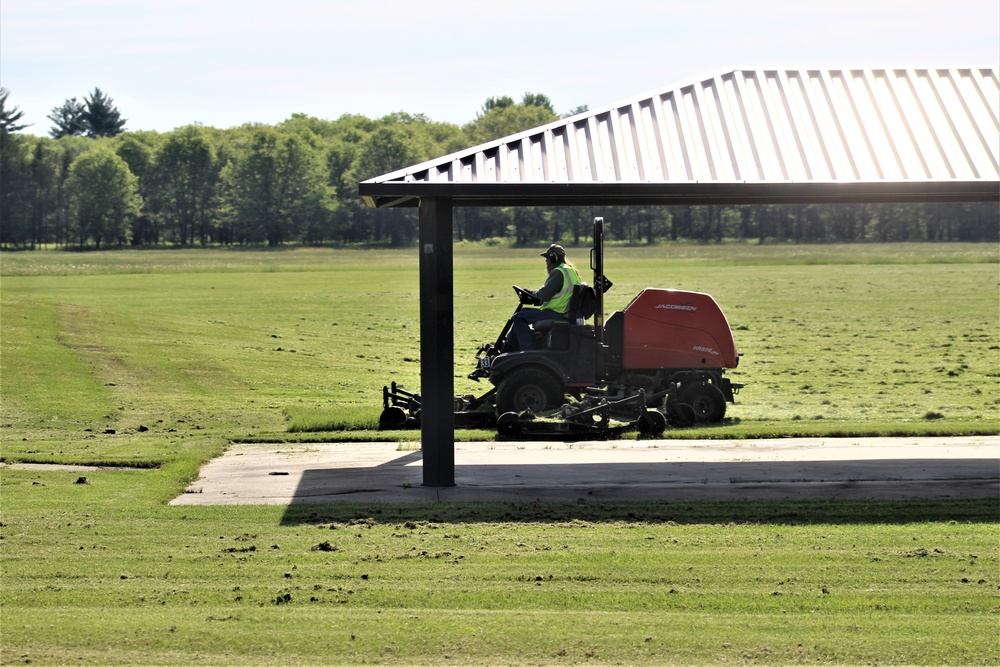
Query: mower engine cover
x=666, y=328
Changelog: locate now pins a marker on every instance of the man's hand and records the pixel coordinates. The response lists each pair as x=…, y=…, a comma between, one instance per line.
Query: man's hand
x=527, y=297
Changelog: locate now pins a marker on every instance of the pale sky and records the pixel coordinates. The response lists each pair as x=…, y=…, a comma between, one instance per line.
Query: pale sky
x=169, y=63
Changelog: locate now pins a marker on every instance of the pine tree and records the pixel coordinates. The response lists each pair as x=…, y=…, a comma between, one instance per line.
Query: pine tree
x=9, y=117
x=68, y=119
x=100, y=116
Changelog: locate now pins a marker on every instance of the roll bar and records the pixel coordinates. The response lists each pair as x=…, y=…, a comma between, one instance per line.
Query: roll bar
x=597, y=265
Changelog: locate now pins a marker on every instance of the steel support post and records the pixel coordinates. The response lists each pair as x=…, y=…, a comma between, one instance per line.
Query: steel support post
x=437, y=343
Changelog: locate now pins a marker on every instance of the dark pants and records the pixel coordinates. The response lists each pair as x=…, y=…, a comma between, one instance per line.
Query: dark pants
x=520, y=331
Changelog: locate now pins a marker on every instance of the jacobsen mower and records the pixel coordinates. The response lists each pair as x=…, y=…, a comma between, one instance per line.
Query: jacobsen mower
x=660, y=360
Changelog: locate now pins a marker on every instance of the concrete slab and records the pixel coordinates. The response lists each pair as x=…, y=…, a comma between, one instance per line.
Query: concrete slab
x=643, y=470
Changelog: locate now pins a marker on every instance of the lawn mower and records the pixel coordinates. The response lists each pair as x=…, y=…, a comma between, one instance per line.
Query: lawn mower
x=661, y=360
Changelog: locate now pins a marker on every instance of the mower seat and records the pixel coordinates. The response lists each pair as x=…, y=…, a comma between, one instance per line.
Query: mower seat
x=582, y=306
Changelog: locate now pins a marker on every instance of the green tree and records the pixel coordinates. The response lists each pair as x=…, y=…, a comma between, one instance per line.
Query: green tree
x=501, y=102
x=502, y=121
x=34, y=201
x=9, y=116
x=188, y=174
x=15, y=195
x=105, y=196
x=248, y=188
x=101, y=118
x=583, y=108
x=529, y=224
x=305, y=196
x=340, y=155
x=44, y=186
x=274, y=187
x=479, y=223
x=386, y=149
x=69, y=149
x=538, y=100
x=95, y=117
x=138, y=149
x=68, y=120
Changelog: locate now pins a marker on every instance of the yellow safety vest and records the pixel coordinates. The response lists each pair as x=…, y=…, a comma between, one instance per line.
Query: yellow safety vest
x=560, y=302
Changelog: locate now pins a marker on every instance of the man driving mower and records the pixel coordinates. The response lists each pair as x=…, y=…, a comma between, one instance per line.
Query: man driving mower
x=553, y=298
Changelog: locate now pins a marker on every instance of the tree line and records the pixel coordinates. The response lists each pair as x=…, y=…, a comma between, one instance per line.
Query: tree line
x=94, y=184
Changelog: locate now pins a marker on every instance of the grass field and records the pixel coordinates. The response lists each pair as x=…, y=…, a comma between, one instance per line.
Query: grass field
x=250, y=344
x=153, y=361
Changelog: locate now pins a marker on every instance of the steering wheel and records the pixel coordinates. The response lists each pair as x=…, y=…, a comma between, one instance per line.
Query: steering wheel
x=526, y=297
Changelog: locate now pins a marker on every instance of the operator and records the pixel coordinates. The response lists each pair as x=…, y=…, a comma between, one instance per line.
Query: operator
x=553, y=296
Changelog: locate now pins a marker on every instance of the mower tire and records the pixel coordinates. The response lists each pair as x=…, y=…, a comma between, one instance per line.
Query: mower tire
x=706, y=400
x=533, y=389
x=652, y=423
x=681, y=415
x=392, y=418
x=508, y=424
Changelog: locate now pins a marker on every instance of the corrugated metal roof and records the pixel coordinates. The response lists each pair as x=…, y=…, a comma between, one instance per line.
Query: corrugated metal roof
x=742, y=136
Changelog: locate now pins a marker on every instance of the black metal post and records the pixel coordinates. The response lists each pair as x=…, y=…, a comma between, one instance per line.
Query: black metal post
x=597, y=264
x=601, y=350
x=437, y=343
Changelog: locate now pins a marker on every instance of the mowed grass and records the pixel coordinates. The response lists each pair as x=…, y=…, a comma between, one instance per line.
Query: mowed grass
x=155, y=360
x=165, y=347
x=104, y=573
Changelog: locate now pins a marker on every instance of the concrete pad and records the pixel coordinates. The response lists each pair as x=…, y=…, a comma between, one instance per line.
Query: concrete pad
x=918, y=467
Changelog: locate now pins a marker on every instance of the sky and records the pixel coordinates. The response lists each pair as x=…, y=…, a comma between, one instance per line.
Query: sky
x=223, y=63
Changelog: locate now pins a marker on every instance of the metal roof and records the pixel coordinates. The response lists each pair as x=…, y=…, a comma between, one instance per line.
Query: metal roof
x=741, y=136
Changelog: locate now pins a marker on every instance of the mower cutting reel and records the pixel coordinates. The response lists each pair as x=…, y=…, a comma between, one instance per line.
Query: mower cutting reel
x=401, y=410
x=593, y=416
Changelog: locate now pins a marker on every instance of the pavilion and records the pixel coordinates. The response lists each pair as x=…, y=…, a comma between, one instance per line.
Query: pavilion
x=756, y=136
